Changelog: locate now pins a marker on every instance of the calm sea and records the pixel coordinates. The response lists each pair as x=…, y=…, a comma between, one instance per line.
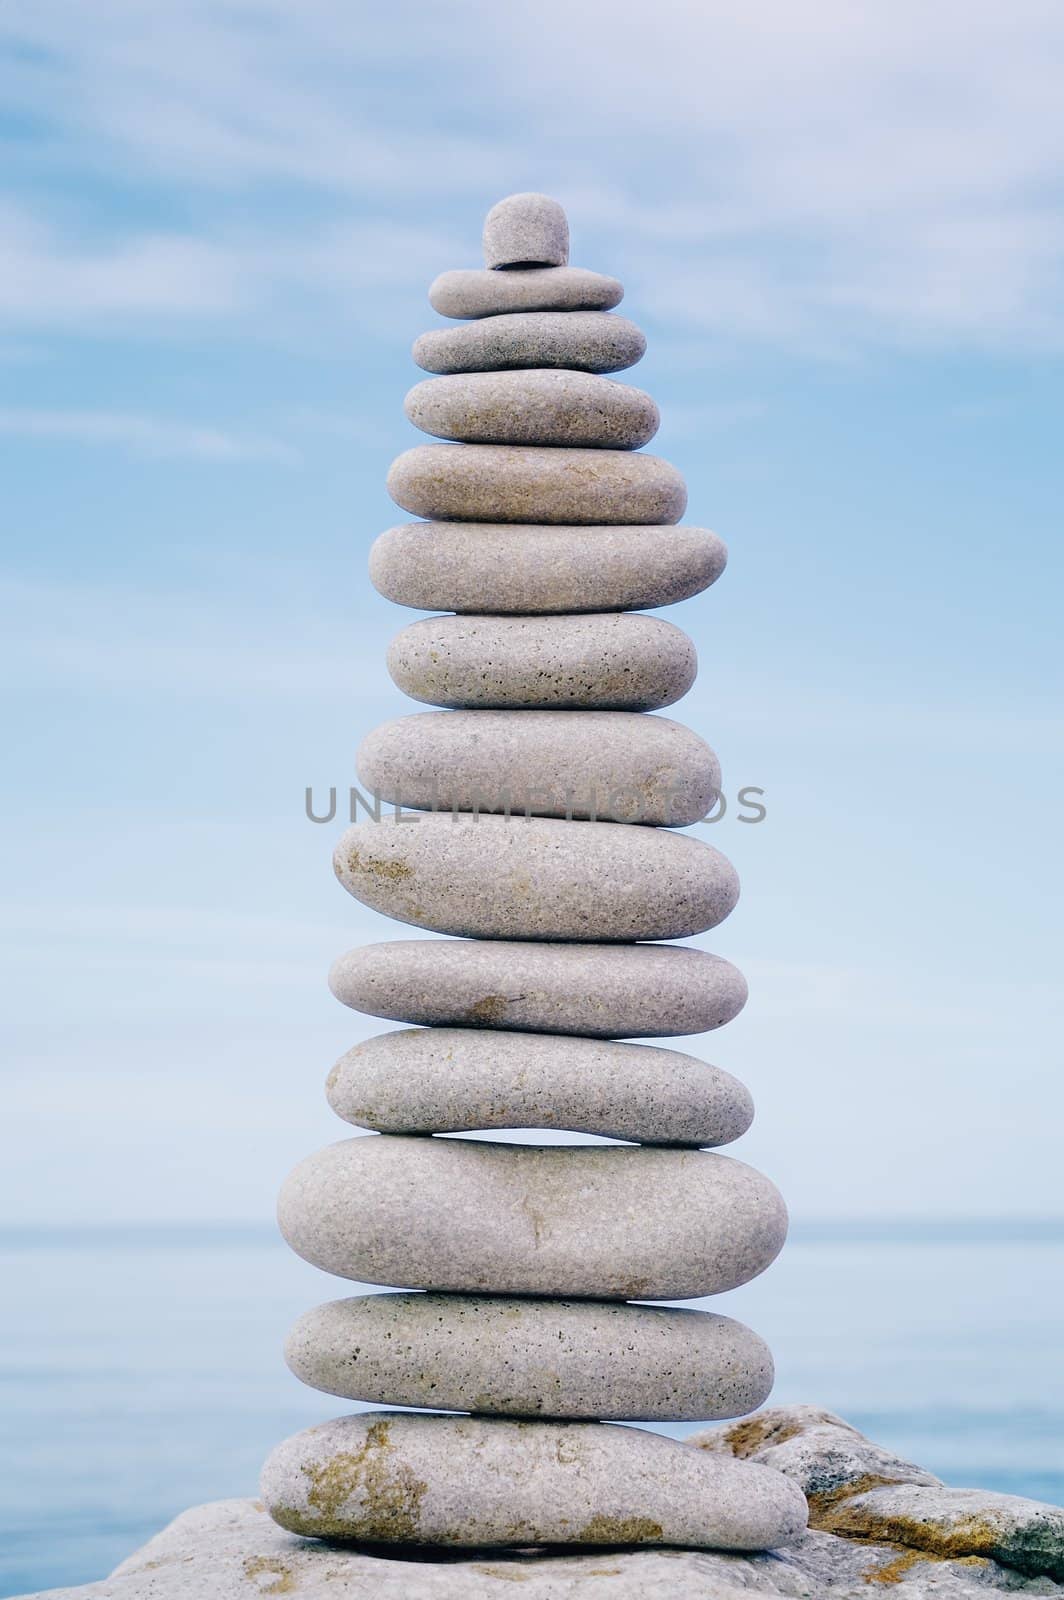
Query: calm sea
x=141, y=1371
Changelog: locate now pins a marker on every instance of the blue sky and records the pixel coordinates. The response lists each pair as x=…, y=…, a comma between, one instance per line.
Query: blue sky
x=841, y=228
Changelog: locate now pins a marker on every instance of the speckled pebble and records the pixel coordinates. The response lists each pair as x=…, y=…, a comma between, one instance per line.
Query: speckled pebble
x=526, y=230
x=532, y=1358
x=612, y=661
x=603, y=991
x=489, y=1481
x=549, y=406
x=589, y=341
x=601, y=1222
x=474, y=292
x=456, y=1080
x=499, y=877
x=514, y=568
x=617, y=766
x=517, y=483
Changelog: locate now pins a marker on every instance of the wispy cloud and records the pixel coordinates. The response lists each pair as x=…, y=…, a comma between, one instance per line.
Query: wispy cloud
x=811, y=173
x=51, y=276
x=74, y=280
x=135, y=640
x=141, y=435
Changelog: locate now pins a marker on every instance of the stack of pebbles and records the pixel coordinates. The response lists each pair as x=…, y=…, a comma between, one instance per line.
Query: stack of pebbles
x=534, y=823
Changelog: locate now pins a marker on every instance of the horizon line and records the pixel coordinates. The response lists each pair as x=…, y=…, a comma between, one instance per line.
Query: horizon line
x=915, y=1228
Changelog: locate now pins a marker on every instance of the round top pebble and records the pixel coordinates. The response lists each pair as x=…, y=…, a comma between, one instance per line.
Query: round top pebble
x=526, y=230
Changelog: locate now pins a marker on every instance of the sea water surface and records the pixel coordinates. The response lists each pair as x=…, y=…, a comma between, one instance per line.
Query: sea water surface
x=140, y=1368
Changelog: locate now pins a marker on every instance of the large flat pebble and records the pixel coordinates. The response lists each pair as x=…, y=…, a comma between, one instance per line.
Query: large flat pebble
x=476, y=292
x=588, y=341
x=603, y=1222
x=602, y=991
x=616, y=661
x=498, y=877
x=515, y=483
x=577, y=1359
x=488, y=1481
x=548, y=407
x=456, y=1080
x=617, y=766
x=477, y=567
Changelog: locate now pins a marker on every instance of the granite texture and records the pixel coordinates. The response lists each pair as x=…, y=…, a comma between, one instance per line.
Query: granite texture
x=454, y=1080
x=600, y=1222
x=515, y=483
x=825, y=1456
x=509, y=1356
x=598, y=661
x=474, y=292
x=497, y=877
x=515, y=568
x=602, y=991
x=585, y=341
x=617, y=766
x=542, y=407
x=858, y=1491
x=526, y=230
x=1025, y=1534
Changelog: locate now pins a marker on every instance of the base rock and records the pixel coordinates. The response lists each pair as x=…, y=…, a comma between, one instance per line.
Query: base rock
x=230, y=1550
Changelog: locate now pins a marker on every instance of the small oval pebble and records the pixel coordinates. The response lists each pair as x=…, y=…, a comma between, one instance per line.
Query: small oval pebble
x=474, y=292
x=392, y=1478
x=591, y=341
x=616, y=766
x=638, y=991
x=528, y=569
x=515, y=483
x=540, y=406
x=526, y=230
x=456, y=1080
x=532, y=1358
x=605, y=1222
x=594, y=661
x=498, y=877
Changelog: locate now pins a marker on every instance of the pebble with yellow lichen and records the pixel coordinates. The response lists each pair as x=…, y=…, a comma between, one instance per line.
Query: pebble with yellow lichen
x=388, y=1477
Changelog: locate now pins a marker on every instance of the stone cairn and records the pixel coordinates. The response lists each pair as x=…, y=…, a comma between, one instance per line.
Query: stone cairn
x=534, y=821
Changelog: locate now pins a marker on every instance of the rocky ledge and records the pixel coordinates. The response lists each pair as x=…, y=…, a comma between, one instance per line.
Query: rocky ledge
x=877, y=1524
